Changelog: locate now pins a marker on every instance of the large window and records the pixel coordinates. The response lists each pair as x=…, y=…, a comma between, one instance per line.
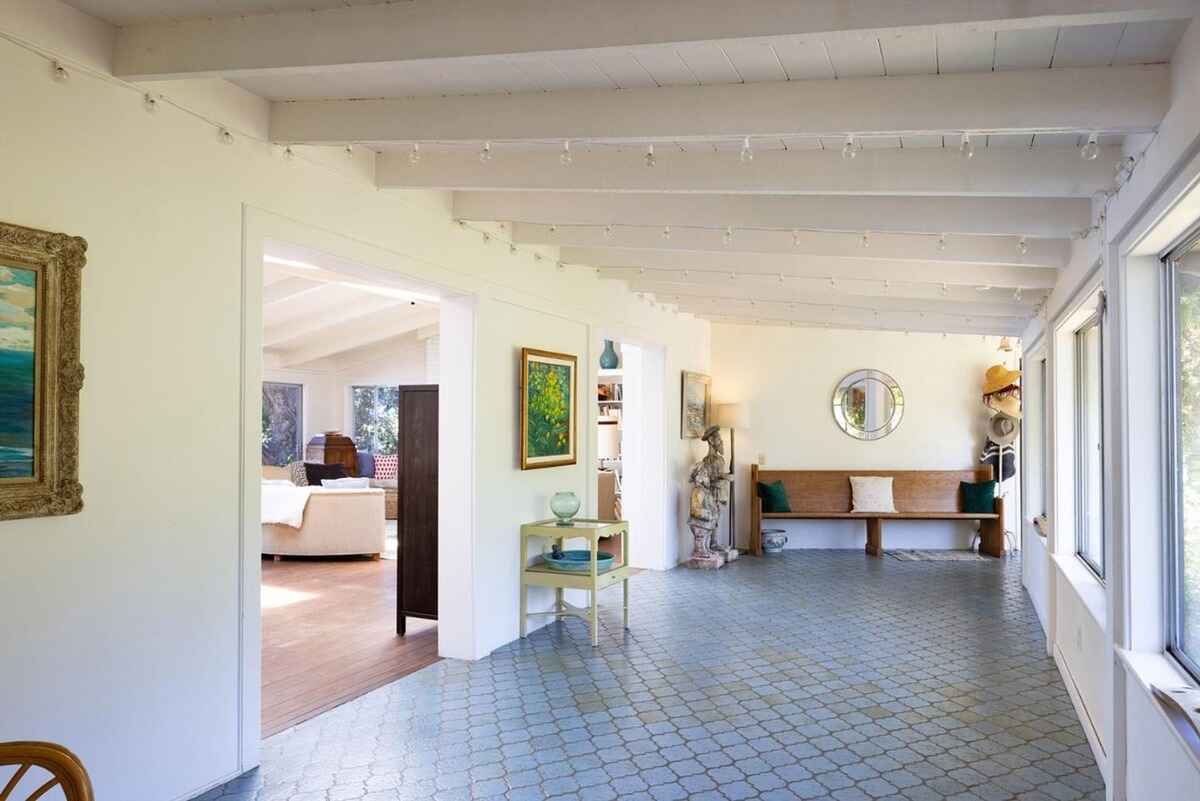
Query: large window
x=282, y=422
x=376, y=418
x=1089, y=446
x=1183, y=559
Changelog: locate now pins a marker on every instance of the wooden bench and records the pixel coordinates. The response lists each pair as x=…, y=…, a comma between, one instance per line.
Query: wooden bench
x=918, y=495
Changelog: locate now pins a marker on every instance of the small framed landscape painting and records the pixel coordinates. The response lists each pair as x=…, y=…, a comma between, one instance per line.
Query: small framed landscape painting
x=549, y=434
x=40, y=373
x=694, y=402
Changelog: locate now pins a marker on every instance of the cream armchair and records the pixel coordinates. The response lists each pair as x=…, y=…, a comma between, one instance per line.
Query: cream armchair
x=337, y=522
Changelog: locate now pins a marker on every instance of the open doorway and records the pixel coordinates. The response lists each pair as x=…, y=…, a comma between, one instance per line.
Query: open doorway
x=350, y=374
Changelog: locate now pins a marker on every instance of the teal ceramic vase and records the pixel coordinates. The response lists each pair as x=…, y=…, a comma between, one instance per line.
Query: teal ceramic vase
x=609, y=359
x=564, y=505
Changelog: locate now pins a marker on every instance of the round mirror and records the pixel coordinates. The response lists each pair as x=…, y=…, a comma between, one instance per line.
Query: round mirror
x=868, y=404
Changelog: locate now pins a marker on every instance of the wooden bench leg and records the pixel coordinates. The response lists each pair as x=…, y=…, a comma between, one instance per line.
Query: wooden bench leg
x=874, y=536
x=991, y=537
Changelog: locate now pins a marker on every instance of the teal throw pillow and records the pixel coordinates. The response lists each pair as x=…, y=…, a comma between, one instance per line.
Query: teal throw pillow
x=978, y=498
x=774, y=497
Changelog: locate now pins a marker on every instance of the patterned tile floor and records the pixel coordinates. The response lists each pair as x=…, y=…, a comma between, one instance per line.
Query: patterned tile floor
x=811, y=675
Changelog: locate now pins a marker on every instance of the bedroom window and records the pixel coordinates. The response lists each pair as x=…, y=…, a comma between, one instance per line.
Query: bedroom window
x=375, y=418
x=282, y=422
x=1183, y=446
x=1089, y=445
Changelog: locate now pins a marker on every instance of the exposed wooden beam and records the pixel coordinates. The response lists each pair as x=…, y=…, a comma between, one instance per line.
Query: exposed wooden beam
x=357, y=333
x=752, y=286
x=460, y=29
x=858, y=321
x=1034, y=217
x=958, y=249
x=716, y=266
x=319, y=323
x=712, y=300
x=996, y=172
x=286, y=288
x=1115, y=99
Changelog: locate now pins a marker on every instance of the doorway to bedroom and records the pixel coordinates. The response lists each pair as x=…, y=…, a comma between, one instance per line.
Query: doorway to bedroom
x=350, y=383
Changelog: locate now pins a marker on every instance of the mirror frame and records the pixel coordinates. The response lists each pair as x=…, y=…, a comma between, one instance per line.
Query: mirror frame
x=839, y=411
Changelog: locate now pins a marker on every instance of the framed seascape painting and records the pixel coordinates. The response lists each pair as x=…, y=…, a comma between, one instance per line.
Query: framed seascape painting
x=40, y=373
x=694, y=403
x=548, y=400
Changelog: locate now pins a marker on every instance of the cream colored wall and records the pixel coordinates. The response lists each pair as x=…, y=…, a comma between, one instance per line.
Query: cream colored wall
x=126, y=615
x=787, y=377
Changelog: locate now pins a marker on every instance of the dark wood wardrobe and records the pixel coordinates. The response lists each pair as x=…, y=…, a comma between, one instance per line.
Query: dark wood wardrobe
x=417, y=501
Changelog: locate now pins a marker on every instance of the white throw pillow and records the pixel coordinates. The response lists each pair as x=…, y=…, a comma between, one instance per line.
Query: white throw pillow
x=277, y=482
x=872, y=494
x=346, y=483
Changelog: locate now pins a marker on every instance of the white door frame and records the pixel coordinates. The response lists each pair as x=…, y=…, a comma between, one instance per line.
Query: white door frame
x=456, y=451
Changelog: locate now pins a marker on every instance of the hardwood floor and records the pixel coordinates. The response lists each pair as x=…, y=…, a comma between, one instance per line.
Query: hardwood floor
x=329, y=635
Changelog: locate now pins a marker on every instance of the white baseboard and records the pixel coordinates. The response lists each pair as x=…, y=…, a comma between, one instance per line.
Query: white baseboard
x=1089, y=728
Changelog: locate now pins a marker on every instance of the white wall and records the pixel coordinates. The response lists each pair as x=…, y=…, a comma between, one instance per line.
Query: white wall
x=787, y=377
x=128, y=624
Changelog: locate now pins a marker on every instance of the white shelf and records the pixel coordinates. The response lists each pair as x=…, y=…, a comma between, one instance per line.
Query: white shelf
x=614, y=376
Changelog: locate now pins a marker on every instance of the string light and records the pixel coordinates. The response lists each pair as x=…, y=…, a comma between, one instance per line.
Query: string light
x=150, y=102
x=1090, y=151
x=945, y=289
x=226, y=136
x=649, y=159
x=608, y=231
x=685, y=275
x=727, y=237
x=512, y=249
x=965, y=148
x=795, y=238
x=349, y=151
x=850, y=149
x=560, y=267
x=666, y=232
x=553, y=229
x=941, y=242
x=866, y=239
x=1017, y=294
x=781, y=278
x=59, y=72
x=288, y=153
x=565, y=157
x=747, y=153
x=1022, y=246
x=414, y=155
x=832, y=282
x=485, y=152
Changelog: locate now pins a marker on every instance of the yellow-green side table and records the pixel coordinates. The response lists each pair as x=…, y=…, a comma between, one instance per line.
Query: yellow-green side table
x=539, y=574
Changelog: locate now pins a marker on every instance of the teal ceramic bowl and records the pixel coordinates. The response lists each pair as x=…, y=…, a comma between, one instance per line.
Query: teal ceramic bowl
x=579, y=561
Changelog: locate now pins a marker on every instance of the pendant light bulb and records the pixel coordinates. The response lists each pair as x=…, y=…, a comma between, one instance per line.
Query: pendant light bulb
x=866, y=239
x=666, y=232
x=1090, y=151
x=59, y=72
x=942, y=242
x=485, y=152
x=608, y=231
x=945, y=289
x=565, y=157
x=795, y=238
x=349, y=151
x=747, y=153
x=288, y=153
x=727, y=237
x=1022, y=246
x=414, y=155
x=226, y=136
x=150, y=102
x=850, y=149
x=1017, y=294
x=650, y=161
x=965, y=148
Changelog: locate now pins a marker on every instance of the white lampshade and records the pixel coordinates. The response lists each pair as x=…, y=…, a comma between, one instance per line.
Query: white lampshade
x=733, y=415
x=608, y=444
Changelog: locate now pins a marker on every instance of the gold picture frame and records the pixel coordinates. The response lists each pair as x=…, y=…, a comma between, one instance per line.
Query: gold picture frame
x=695, y=404
x=40, y=278
x=549, y=422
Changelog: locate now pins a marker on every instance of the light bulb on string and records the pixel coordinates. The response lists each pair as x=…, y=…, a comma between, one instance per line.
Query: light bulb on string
x=747, y=153
x=666, y=232
x=727, y=237
x=485, y=152
x=941, y=242
x=795, y=238
x=1022, y=246
x=226, y=136
x=850, y=149
x=832, y=282
x=649, y=159
x=608, y=231
x=965, y=148
x=288, y=153
x=1091, y=150
x=1017, y=294
x=565, y=157
x=59, y=72
x=866, y=239
x=150, y=102
x=781, y=278
x=349, y=151
x=512, y=250
x=560, y=267
x=414, y=155
x=945, y=289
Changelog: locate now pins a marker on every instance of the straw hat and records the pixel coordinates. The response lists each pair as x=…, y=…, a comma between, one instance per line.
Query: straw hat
x=1002, y=430
x=998, y=377
x=1008, y=406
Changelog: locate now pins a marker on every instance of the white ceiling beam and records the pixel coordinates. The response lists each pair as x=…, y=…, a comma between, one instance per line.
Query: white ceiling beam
x=401, y=32
x=317, y=324
x=712, y=299
x=1116, y=99
x=994, y=171
x=958, y=249
x=288, y=287
x=717, y=266
x=357, y=333
x=858, y=321
x=1054, y=218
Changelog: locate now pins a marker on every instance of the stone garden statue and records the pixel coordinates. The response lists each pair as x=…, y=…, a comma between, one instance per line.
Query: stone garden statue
x=710, y=491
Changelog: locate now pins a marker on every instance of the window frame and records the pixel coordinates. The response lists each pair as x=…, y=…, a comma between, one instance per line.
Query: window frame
x=1095, y=320
x=1043, y=363
x=1173, y=562
x=354, y=422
